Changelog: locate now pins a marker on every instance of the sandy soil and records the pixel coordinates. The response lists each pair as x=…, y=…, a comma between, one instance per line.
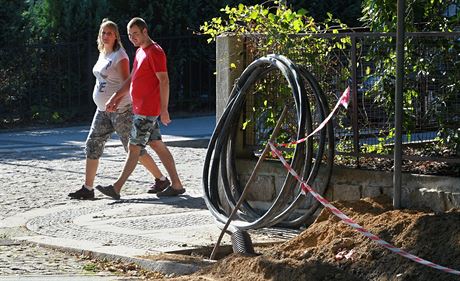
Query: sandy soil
x=331, y=250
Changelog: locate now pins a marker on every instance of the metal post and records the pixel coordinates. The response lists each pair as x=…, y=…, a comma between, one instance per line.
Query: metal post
x=398, y=105
x=354, y=91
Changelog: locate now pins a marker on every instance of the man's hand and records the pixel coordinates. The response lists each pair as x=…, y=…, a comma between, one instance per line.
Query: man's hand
x=164, y=117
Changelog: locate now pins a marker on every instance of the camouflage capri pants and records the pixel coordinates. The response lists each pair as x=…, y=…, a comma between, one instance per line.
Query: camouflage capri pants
x=103, y=126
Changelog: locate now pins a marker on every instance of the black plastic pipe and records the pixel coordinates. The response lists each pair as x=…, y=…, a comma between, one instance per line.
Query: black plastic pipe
x=288, y=208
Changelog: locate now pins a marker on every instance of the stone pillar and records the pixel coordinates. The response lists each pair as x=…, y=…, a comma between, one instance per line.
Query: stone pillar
x=229, y=65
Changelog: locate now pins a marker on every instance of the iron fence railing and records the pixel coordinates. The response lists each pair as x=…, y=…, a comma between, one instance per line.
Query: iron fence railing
x=431, y=93
x=53, y=83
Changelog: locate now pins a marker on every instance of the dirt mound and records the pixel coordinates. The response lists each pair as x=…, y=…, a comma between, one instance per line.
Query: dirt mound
x=331, y=250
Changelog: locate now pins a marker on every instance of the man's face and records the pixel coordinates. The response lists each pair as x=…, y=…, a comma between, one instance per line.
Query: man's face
x=136, y=36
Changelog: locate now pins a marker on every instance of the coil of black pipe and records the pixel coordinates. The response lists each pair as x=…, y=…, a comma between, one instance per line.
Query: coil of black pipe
x=288, y=208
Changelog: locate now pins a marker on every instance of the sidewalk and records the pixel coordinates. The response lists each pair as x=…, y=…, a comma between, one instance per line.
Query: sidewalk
x=39, y=168
x=186, y=131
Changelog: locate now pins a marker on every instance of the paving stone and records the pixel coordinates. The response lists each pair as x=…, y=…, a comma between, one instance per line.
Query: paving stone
x=41, y=179
x=26, y=259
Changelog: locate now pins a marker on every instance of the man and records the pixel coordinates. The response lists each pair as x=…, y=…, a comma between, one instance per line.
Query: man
x=149, y=88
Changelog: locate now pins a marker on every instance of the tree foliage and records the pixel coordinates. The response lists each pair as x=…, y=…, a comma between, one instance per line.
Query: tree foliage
x=348, y=11
x=421, y=15
x=56, y=39
x=273, y=27
x=12, y=22
x=428, y=61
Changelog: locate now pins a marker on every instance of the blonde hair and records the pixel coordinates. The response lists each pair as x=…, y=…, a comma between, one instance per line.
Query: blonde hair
x=117, y=45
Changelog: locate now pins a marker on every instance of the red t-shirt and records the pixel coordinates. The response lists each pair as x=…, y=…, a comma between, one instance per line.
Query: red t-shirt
x=145, y=86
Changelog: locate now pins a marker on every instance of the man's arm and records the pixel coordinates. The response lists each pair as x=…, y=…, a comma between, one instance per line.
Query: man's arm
x=164, y=97
x=123, y=68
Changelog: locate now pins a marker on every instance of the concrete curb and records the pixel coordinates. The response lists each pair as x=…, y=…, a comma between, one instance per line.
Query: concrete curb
x=163, y=266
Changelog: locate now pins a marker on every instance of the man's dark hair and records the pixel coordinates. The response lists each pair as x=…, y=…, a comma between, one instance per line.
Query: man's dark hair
x=139, y=22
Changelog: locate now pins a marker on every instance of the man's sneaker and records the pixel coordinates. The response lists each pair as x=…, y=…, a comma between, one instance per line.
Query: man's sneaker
x=159, y=186
x=170, y=191
x=82, y=193
x=109, y=191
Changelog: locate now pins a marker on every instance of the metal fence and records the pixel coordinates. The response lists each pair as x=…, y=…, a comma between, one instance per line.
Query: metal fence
x=432, y=95
x=53, y=83
x=191, y=67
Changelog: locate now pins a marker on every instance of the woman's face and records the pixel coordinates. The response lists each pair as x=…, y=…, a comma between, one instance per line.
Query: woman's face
x=108, y=36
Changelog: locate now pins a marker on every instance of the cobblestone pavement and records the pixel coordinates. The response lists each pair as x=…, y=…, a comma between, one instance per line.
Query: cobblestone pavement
x=20, y=259
x=41, y=179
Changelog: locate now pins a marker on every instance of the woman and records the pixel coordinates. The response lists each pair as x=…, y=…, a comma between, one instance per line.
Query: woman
x=111, y=70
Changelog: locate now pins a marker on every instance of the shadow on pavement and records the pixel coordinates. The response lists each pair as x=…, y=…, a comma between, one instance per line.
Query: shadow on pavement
x=184, y=201
x=45, y=154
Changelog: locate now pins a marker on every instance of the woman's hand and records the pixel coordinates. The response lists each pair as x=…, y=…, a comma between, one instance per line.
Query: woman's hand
x=112, y=104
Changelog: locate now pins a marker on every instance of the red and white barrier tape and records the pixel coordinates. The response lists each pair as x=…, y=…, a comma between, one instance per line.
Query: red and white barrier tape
x=343, y=100
x=308, y=189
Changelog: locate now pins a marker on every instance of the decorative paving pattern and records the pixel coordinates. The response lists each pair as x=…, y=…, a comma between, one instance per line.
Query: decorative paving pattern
x=40, y=179
x=167, y=221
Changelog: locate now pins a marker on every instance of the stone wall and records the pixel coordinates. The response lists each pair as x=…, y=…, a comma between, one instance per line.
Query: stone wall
x=418, y=191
